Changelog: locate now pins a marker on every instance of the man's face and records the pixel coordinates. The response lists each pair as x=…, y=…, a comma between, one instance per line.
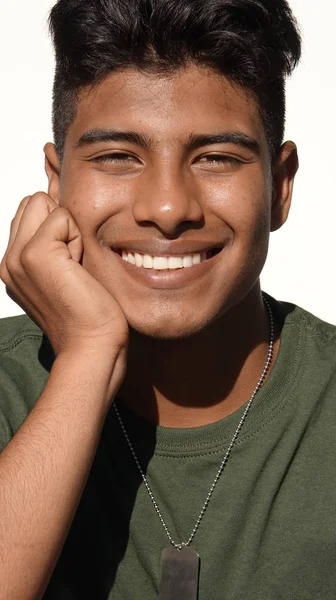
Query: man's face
x=168, y=192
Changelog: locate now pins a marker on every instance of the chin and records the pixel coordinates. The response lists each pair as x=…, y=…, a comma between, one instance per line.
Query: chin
x=166, y=327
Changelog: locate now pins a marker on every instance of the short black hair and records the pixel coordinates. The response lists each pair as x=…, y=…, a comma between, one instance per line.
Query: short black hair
x=254, y=43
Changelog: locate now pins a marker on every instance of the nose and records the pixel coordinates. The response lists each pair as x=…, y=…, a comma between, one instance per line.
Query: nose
x=169, y=201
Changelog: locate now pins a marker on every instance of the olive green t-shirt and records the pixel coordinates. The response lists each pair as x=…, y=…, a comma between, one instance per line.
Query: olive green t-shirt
x=269, y=532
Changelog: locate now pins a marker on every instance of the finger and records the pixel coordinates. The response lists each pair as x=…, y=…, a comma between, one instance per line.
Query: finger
x=15, y=223
x=58, y=233
x=30, y=216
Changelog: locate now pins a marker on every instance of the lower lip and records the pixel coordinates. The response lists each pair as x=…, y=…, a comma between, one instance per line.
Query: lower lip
x=172, y=279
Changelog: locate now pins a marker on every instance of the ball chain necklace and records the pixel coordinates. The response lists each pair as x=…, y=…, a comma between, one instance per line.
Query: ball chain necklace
x=179, y=562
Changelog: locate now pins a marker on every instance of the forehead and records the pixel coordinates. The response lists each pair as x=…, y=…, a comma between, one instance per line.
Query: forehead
x=193, y=99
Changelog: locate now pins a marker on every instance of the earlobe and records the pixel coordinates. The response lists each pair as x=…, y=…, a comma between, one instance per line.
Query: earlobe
x=284, y=173
x=53, y=169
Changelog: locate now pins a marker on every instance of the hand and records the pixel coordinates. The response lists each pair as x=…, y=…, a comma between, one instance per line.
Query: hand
x=43, y=275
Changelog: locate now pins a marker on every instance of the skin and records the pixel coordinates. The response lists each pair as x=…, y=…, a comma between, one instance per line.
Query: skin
x=197, y=352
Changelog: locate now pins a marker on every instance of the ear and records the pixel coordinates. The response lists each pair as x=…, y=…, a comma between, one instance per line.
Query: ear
x=284, y=171
x=53, y=171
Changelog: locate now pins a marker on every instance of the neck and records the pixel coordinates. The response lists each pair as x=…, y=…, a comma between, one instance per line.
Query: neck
x=195, y=381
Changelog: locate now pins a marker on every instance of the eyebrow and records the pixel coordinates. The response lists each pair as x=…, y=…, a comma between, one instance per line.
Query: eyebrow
x=110, y=135
x=194, y=141
x=229, y=137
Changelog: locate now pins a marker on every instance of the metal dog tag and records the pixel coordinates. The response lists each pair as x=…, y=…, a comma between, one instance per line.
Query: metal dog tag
x=179, y=574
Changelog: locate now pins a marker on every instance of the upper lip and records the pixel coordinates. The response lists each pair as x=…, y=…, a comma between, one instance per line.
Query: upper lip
x=166, y=247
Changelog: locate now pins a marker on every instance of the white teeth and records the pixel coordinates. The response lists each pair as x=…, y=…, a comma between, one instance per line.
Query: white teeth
x=162, y=263
x=187, y=261
x=175, y=262
x=147, y=261
x=131, y=258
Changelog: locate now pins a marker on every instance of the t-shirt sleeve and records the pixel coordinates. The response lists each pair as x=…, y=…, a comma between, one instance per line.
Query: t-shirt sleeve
x=14, y=407
x=25, y=363
x=4, y=433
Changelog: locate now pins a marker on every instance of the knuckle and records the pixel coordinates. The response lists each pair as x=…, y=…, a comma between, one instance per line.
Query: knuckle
x=4, y=275
x=60, y=213
x=37, y=202
x=42, y=199
x=38, y=197
x=29, y=256
x=24, y=202
x=11, y=265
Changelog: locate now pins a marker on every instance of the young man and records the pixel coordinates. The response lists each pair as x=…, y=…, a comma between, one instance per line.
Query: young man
x=166, y=430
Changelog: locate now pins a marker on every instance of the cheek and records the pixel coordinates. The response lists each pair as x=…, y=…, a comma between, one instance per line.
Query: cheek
x=244, y=205
x=91, y=198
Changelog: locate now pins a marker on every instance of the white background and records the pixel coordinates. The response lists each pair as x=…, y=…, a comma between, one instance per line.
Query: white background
x=301, y=262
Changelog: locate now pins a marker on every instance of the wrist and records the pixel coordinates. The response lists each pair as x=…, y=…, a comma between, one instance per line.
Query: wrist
x=99, y=370
x=87, y=352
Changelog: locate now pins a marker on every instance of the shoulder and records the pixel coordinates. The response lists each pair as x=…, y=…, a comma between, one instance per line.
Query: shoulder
x=22, y=343
x=15, y=330
x=317, y=333
x=309, y=343
x=297, y=316
x=291, y=316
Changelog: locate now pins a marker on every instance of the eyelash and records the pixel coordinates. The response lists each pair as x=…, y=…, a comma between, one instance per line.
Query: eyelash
x=112, y=157
x=222, y=159
x=123, y=157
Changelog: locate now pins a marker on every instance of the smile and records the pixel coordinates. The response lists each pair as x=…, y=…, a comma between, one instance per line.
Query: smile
x=154, y=271
x=166, y=263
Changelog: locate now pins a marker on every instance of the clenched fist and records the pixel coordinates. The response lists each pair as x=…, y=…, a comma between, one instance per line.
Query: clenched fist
x=43, y=275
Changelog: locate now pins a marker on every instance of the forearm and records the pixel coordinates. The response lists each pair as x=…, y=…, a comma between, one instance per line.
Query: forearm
x=44, y=469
